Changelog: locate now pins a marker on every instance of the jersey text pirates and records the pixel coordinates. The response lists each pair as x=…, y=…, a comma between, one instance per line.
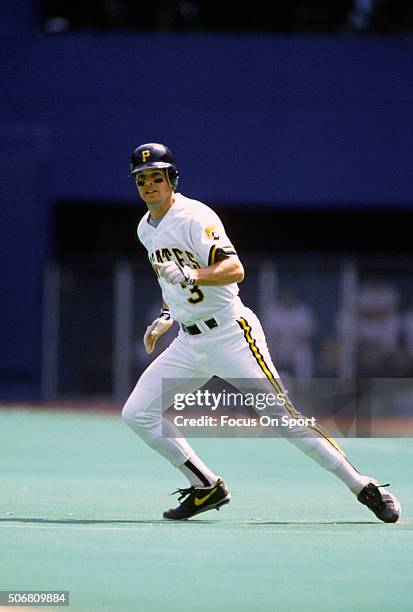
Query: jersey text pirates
x=190, y=233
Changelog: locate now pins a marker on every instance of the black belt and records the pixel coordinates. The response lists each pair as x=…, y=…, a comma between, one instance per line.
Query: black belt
x=193, y=330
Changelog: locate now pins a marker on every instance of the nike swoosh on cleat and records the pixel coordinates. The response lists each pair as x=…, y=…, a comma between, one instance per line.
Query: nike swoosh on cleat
x=198, y=501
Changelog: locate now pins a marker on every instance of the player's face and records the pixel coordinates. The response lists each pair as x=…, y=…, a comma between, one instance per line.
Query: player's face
x=153, y=186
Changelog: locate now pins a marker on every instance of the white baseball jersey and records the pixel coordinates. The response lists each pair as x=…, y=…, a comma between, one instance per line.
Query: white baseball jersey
x=190, y=233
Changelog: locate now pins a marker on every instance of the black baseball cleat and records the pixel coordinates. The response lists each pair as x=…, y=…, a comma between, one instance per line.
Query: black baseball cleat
x=197, y=500
x=384, y=505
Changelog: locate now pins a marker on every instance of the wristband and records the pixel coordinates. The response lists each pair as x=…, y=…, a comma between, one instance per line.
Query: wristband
x=165, y=314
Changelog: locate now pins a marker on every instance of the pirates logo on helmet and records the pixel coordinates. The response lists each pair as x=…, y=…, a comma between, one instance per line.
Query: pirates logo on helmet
x=154, y=155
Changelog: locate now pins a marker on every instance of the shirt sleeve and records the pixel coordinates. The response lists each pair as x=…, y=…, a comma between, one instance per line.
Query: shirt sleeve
x=141, y=233
x=209, y=238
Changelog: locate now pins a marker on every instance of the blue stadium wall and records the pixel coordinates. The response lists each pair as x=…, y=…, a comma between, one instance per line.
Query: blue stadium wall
x=271, y=120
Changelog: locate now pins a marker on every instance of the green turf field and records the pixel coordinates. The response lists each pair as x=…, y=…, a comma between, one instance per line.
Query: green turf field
x=81, y=501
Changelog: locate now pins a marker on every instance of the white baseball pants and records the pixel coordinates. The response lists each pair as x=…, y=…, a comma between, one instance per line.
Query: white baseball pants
x=235, y=349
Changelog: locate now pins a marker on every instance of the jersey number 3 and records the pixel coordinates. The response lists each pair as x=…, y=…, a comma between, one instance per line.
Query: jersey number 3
x=197, y=295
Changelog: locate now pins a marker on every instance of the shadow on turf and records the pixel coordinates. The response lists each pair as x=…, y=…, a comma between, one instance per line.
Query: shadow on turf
x=250, y=522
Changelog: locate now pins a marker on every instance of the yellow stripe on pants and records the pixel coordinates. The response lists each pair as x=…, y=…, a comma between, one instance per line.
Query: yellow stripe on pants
x=243, y=323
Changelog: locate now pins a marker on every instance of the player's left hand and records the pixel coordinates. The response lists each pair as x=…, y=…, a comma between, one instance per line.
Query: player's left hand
x=174, y=274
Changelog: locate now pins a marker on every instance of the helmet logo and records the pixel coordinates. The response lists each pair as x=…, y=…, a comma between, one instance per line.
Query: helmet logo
x=145, y=154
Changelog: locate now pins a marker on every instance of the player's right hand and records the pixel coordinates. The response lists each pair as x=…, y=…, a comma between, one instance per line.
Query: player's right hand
x=155, y=330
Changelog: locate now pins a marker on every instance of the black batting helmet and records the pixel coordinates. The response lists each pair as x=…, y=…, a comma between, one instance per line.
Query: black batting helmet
x=154, y=155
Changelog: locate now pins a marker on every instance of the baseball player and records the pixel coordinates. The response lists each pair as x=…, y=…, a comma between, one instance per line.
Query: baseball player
x=198, y=270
